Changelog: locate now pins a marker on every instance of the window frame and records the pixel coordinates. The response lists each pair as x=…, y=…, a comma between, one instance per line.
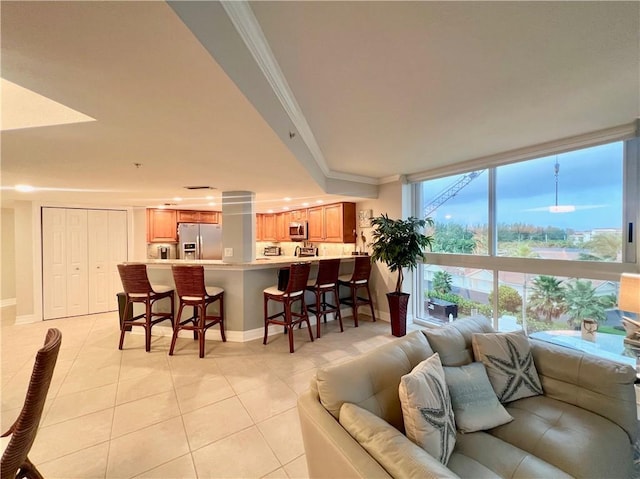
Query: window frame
x=565, y=268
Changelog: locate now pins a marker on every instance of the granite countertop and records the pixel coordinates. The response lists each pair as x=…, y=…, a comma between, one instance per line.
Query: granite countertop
x=259, y=262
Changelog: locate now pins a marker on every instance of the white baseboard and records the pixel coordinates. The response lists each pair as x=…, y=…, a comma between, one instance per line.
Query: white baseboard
x=27, y=319
x=7, y=302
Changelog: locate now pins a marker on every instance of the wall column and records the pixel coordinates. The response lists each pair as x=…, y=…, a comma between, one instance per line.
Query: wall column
x=238, y=226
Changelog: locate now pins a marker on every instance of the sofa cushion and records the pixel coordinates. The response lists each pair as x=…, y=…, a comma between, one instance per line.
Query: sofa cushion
x=509, y=364
x=475, y=404
x=499, y=457
x=596, y=384
x=389, y=447
x=453, y=341
x=573, y=439
x=426, y=409
x=371, y=381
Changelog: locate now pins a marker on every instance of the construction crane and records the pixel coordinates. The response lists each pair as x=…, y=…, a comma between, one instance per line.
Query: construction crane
x=450, y=192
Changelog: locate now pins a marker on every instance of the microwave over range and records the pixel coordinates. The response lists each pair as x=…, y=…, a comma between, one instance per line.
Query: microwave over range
x=298, y=231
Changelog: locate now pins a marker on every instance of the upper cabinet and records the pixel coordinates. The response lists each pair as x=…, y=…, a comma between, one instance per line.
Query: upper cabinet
x=162, y=226
x=282, y=227
x=190, y=216
x=298, y=215
x=335, y=223
x=267, y=228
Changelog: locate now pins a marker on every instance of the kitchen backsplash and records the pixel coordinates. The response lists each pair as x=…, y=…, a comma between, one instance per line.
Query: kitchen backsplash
x=289, y=248
x=153, y=250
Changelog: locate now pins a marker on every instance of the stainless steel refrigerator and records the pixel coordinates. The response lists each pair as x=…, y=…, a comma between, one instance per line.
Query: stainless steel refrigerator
x=200, y=241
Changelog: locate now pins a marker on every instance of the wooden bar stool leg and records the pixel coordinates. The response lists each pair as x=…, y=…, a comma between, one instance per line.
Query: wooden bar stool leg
x=201, y=330
x=318, y=305
x=336, y=298
x=354, y=299
x=373, y=314
x=174, y=337
x=287, y=319
x=306, y=318
x=123, y=328
x=147, y=328
x=266, y=321
x=224, y=339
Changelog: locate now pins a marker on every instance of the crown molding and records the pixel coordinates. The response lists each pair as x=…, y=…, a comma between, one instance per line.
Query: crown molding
x=249, y=29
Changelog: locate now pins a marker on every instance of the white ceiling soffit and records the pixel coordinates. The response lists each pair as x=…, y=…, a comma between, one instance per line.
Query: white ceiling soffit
x=412, y=86
x=23, y=108
x=236, y=41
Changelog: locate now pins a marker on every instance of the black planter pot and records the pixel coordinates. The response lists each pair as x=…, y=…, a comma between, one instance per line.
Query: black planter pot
x=398, y=310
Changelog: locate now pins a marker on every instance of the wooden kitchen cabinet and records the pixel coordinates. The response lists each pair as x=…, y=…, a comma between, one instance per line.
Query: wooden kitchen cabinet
x=162, y=226
x=282, y=227
x=298, y=215
x=333, y=223
x=192, y=216
x=268, y=227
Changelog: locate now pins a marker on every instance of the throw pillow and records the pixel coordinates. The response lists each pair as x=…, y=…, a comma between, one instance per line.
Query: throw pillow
x=509, y=364
x=426, y=409
x=475, y=404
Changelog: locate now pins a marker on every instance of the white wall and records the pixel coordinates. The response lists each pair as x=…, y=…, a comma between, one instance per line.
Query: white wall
x=8, y=257
x=25, y=245
x=389, y=202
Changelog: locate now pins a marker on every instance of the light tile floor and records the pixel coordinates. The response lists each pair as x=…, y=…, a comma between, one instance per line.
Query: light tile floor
x=126, y=414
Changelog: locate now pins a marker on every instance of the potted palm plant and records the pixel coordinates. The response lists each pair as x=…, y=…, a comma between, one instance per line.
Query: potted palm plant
x=399, y=244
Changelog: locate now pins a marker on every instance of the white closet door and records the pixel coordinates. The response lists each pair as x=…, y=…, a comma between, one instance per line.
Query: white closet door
x=77, y=263
x=118, y=252
x=54, y=262
x=98, y=254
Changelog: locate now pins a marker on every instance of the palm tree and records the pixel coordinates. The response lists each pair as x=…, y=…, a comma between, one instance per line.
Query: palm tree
x=442, y=282
x=547, y=298
x=582, y=303
x=604, y=247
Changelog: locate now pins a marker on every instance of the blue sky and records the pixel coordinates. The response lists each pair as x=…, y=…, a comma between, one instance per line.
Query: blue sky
x=589, y=179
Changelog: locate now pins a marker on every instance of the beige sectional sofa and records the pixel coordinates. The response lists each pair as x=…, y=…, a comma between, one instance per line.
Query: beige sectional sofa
x=582, y=426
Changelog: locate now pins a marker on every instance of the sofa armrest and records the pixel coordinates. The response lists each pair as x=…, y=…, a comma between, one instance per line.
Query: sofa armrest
x=596, y=384
x=330, y=451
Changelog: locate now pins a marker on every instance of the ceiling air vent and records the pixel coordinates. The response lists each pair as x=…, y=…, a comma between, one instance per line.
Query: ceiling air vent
x=199, y=188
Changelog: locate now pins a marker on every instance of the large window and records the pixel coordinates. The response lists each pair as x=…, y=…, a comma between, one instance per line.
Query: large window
x=566, y=206
x=537, y=245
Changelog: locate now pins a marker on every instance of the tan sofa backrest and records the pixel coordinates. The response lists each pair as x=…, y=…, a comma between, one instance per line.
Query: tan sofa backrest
x=453, y=342
x=371, y=381
x=587, y=381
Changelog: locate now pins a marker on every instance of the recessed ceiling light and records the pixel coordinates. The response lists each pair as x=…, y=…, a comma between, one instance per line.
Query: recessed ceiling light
x=305, y=204
x=269, y=211
x=24, y=188
x=161, y=207
x=287, y=199
x=212, y=203
x=209, y=197
x=177, y=198
x=286, y=208
x=319, y=201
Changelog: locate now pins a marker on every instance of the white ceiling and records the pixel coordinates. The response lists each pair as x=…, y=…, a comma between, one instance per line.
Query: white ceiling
x=385, y=88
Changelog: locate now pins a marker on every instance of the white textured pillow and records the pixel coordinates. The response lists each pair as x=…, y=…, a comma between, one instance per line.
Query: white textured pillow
x=509, y=364
x=426, y=409
x=475, y=404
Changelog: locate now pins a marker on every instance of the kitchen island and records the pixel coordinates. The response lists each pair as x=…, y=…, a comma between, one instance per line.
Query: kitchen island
x=243, y=284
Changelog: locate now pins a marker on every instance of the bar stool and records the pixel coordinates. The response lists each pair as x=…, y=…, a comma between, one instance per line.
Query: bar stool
x=326, y=282
x=189, y=280
x=137, y=289
x=359, y=279
x=298, y=277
